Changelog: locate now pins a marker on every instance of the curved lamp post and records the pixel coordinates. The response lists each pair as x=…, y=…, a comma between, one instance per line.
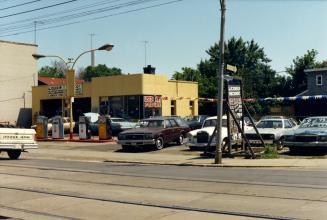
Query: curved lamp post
x=70, y=86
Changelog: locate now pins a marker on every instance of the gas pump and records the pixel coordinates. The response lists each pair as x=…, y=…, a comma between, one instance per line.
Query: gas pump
x=83, y=127
x=42, y=127
x=57, y=128
x=105, y=131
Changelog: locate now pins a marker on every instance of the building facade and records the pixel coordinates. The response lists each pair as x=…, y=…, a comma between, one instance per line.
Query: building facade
x=18, y=75
x=316, y=86
x=134, y=96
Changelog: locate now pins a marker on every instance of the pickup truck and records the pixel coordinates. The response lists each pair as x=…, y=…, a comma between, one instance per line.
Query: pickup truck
x=16, y=140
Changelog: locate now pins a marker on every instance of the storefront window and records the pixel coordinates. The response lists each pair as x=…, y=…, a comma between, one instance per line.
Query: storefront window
x=132, y=107
x=152, y=106
x=116, y=106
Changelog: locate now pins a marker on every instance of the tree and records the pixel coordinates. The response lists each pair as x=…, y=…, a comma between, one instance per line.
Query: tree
x=296, y=70
x=56, y=70
x=253, y=67
x=99, y=70
x=251, y=61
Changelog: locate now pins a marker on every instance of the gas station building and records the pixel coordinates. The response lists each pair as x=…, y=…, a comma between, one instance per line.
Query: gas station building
x=132, y=96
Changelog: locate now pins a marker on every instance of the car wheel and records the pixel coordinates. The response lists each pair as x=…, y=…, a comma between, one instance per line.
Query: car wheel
x=180, y=139
x=159, y=144
x=14, y=154
x=125, y=148
x=280, y=143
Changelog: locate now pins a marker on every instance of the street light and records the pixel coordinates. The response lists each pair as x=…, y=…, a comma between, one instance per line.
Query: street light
x=70, y=74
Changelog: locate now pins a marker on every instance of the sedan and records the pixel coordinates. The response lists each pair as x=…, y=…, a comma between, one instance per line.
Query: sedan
x=156, y=132
x=312, y=133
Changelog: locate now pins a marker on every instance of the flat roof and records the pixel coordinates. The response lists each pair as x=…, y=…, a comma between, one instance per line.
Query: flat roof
x=18, y=43
x=315, y=70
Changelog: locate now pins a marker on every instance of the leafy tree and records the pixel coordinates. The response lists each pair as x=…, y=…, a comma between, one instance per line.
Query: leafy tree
x=299, y=80
x=56, y=70
x=251, y=61
x=253, y=67
x=99, y=70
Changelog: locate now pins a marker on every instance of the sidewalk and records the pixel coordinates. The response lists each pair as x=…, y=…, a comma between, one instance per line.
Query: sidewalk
x=103, y=153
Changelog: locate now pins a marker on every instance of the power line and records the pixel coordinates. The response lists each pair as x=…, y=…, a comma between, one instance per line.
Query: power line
x=74, y=16
x=14, y=6
x=96, y=18
x=37, y=9
x=60, y=12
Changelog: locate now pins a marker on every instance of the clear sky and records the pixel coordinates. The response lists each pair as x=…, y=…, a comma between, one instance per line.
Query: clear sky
x=178, y=33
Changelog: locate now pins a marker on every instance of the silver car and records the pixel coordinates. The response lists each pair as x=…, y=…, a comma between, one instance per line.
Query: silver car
x=312, y=133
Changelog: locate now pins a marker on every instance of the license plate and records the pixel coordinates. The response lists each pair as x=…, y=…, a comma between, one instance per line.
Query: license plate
x=133, y=144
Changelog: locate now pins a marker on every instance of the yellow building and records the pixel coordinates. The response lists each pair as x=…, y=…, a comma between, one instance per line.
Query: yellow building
x=133, y=96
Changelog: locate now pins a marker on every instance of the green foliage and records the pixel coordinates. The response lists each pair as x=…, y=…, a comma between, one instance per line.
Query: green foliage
x=98, y=71
x=269, y=153
x=298, y=83
x=253, y=67
x=57, y=70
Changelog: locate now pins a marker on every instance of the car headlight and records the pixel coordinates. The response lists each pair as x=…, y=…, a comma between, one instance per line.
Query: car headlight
x=322, y=138
x=289, y=138
x=190, y=138
x=148, y=136
x=271, y=136
x=121, y=137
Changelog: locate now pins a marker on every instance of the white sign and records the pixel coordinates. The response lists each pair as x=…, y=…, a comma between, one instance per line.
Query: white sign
x=56, y=91
x=60, y=90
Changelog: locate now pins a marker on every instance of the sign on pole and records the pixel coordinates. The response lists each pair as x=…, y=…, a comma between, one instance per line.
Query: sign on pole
x=70, y=83
x=231, y=68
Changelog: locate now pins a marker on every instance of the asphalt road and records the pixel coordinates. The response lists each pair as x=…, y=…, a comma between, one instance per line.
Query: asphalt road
x=55, y=189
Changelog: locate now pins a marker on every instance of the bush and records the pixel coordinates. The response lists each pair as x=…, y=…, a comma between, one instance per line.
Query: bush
x=270, y=152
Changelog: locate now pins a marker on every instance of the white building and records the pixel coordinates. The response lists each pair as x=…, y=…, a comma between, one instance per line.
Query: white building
x=18, y=73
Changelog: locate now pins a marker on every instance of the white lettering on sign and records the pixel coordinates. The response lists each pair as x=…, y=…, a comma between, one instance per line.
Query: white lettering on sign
x=235, y=103
x=234, y=88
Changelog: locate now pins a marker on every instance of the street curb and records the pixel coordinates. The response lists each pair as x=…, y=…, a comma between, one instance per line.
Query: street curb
x=196, y=165
x=77, y=140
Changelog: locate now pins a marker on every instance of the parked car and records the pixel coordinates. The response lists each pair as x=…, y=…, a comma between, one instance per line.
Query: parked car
x=66, y=122
x=195, y=122
x=199, y=138
x=312, y=133
x=272, y=130
x=124, y=124
x=156, y=131
x=94, y=124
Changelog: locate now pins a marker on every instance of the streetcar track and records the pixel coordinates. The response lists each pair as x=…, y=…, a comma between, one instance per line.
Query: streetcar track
x=168, y=177
x=162, y=188
x=146, y=204
x=37, y=213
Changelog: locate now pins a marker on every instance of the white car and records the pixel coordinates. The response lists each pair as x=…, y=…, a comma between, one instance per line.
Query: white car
x=272, y=130
x=198, y=139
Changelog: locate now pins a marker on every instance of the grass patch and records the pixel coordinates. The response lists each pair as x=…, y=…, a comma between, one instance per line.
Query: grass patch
x=270, y=152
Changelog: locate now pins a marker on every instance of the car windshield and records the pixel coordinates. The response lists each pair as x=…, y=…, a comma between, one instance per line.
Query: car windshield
x=270, y=124
x=314, y=123
x=213, y=122
x=118, y=120
x=152, y=124
x=192, y=118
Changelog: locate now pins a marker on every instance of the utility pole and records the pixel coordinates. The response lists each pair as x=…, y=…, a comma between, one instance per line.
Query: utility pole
x=145, y=45
x=35, y=32
x=35, y=29
x=92, y=52
x=220, y=85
